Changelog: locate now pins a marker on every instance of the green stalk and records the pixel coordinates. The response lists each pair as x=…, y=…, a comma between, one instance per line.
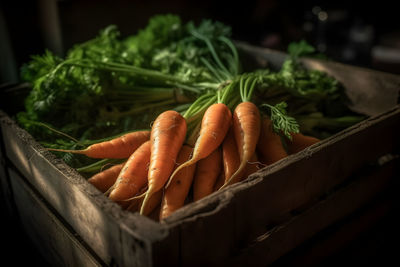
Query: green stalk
x=142, y=108
x=234, y=53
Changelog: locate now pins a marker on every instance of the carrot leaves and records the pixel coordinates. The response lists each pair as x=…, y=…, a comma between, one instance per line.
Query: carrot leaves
x=112, y=84
x=282, y=123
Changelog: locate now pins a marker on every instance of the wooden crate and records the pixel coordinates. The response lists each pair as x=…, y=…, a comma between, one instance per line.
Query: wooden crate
x=254, y=222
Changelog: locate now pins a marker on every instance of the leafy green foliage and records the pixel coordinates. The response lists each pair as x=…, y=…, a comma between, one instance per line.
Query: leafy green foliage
x=102, y=83
x=282, y=123
x=299, y=49
x=108, y=85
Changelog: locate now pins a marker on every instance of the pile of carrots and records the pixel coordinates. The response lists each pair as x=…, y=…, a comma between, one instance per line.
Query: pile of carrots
x=165, y=167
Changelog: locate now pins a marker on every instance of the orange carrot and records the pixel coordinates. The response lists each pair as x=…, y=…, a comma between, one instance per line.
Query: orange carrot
x=230, y=155
x=214, y=126
x=106, y=178
x=300, y=142
x=252, y=166
x=153, y=203
x=207, y=172
x=220, y=181
x=175, y=195
x=133, y=175
x=135, y=202
x=246, y=127
x=270, y=147
x=167, y=136
x=117, y=148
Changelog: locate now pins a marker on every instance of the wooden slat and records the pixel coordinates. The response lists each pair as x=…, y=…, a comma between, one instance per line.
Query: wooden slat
x=273, y=244
x=304, y=177
x=330, y=242
x=53, y=239
x=109, y=231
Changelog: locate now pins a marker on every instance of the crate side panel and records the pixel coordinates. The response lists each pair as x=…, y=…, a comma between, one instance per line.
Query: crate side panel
x=206, y=230
x=167, y=251
x=273, y=244
x=55, y=242
x=301, y=178
x=96, y=219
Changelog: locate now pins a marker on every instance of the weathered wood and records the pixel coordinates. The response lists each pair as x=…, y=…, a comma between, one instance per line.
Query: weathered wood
x=107, y=229
x=5, y=192
x=299, y=179
x=203, y=237
x=274, y=192
x=370, y=92
x=328, y=243
x=269, y=246
x=45, y=229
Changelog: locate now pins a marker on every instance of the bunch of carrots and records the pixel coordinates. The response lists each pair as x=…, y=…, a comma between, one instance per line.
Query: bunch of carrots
x=219, y=140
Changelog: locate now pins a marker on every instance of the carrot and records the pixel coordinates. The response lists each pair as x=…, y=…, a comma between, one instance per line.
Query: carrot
x=106, y=178
x=252, y=166
x=246, y=127
x=154, y=202
x=300, y=142
x=220, y=181
x=135, y=202
x=175, y=195
x=270, y=147
x=133, y=175
x=117, y=148
x=167, y=136
x=214, y=126
x=207, y=172
x=230, y=154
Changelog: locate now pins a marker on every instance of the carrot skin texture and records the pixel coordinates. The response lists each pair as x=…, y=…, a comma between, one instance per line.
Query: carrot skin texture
x=133, y=175
x=230, y=155
x=118, y=148
x=106, y=178
x=246, y=127
x=206, y=175
x=167, y=136
x=220, y=181
x=175, y=195
x=214, y=126
x=270, y=147
x=300, y=142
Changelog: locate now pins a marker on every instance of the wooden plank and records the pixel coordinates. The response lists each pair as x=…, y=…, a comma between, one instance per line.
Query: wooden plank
x=205, y=237
x=370, y=92
x=112, y=233
x=328, y=243
x=166, y=252
x=53, y=239
x=5, y=192
x=271, y=245
x=304, y=177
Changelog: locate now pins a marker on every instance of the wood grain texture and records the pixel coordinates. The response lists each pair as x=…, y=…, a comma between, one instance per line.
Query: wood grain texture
x=271, y=245
x=112, y=233
x=49, y=234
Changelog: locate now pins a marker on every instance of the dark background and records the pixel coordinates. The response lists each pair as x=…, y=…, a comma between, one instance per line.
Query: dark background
x=364, y=33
